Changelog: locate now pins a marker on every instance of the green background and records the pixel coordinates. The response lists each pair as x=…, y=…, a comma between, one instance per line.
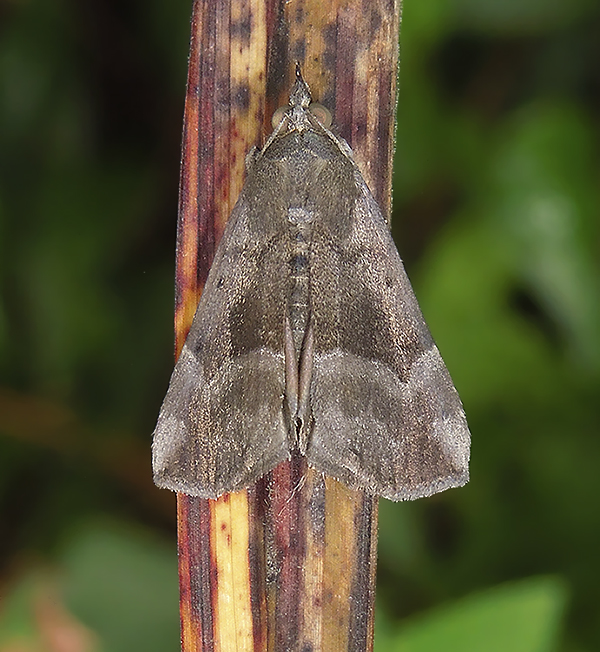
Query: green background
x=497, y=215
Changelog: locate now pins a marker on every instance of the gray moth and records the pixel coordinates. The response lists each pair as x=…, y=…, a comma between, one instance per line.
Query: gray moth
x=308, y=338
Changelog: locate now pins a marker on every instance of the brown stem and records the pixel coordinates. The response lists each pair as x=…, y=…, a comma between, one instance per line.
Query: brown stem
x=288, y=564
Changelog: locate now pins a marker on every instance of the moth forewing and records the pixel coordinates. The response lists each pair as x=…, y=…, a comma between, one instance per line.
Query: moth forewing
x=308, y=337
x=227, y=428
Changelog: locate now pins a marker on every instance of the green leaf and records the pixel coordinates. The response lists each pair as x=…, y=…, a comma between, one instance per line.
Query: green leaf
x=523, y=616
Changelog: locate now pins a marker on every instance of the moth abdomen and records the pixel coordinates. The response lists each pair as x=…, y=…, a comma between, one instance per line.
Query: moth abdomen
x=298, y=304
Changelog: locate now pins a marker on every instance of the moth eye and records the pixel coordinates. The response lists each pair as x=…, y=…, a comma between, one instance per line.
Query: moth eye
x=322, y=114
x=278, y=116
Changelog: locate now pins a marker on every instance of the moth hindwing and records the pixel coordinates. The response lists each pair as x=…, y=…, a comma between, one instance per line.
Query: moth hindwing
x=308, y=337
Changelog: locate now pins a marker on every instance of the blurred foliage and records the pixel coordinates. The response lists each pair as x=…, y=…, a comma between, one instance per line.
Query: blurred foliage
x=119, y=582
x=520, y=617
x=497, y=216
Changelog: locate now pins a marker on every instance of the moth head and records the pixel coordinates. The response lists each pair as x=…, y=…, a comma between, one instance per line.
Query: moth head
x=301, y=107
x=320, y=112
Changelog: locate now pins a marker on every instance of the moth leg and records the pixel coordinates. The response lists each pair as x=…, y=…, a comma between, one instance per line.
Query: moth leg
x=291, y=376
x=303, y=418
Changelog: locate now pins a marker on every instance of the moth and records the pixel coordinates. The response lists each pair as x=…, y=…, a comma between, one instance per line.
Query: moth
x=308, y=338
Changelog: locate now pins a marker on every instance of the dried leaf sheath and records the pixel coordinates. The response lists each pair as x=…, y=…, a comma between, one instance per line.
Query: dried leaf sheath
x=305, y=581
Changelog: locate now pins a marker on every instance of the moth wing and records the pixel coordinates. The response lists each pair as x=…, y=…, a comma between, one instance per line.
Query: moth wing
x=386, y=415
x=221, y=425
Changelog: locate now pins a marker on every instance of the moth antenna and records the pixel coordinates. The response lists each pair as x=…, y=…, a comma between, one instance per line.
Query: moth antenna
x=300, y=95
